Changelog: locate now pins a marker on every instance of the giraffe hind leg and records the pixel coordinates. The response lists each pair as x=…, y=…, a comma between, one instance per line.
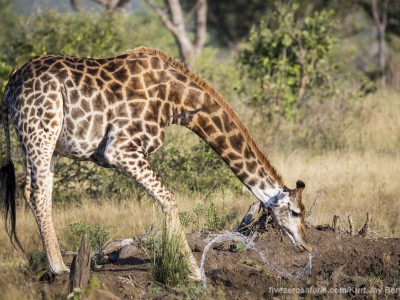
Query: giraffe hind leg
x=38, y=146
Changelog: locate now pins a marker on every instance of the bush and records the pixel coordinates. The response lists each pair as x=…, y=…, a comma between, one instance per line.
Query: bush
x=210, y=217
x=169, y=267
x=285, y=59
x=98, y=235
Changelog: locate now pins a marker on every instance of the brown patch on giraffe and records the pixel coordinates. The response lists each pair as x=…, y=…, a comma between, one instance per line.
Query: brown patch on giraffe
x=54, y=124
x=137, y=66
x=97, y=128
x=205, y=125
x=74, y=96
x=192, y=99
x=37, y=85
x=155, y=63
x=54, y=97
x=251, y=166
x=85, y=105
x=45, y=78
x=80, y=67
x=88, y=81
x=233, y=156
x=151, y=129
x=86, y=90
x=179, y=76
x=76, y=76
x=38, y=101
x=252, y=182
x=237, y=142
x=109, y=97
x=98, y=103
x=100, y=83
x=152, y=110
x=195, y=86
x=49, y=116
x=175, y=93
x=150, y=78
x=49, y=86
x=221, y=143
x=112, y=66
x=77, y=113
x=92, y=71
x=69, y=83
x=42, y=69
x=105, y=76
x=90, y=62
x=135, y=83
x=136, y=108
x=121, y=111
x=82, y=129
x=162, y=92
x=134, y=128
x=121, y=74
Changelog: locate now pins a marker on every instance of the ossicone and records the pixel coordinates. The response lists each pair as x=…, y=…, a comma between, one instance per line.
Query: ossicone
x=300, y=184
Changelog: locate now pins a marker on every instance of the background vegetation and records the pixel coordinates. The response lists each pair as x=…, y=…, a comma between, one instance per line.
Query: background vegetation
x=305, y=77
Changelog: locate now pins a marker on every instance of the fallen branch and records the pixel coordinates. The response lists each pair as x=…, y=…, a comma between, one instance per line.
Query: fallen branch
x=314, y=205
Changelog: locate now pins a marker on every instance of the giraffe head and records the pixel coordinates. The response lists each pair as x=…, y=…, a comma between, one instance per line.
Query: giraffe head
x=288, y=212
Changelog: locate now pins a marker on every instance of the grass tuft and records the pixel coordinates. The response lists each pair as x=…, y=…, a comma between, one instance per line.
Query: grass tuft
x=169, y=267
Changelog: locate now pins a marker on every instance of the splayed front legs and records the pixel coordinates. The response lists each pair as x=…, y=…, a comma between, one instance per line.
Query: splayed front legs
x=137, y=167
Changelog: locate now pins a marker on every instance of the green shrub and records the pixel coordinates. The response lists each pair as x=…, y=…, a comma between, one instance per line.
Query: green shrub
x=285, y=59
x=98, y=235
x=209, y=217
x=36, y=261
x=169, y=267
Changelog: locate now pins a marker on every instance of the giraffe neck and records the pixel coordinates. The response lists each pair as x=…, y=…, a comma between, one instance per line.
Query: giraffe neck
x=218, y=125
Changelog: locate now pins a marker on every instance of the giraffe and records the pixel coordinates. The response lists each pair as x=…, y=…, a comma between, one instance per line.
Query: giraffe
x=113, y=112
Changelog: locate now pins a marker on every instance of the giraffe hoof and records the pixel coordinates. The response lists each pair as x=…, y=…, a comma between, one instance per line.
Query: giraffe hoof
x=195, y=275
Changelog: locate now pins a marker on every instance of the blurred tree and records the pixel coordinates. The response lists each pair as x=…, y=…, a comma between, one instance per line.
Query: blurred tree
x=385, y=16
x=172, y=16
x=8, y=21
x=108, y=5
x=232, y=20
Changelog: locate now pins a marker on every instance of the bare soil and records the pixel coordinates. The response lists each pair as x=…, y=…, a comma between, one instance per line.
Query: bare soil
x=346, y=266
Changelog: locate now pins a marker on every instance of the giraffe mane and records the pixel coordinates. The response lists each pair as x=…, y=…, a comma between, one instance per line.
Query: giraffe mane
x=220, y=100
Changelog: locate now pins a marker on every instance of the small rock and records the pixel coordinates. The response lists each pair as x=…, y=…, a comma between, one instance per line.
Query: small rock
x=127, y=251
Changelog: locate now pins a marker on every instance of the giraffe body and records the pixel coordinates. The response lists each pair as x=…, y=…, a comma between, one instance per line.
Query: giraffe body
x=113, y=112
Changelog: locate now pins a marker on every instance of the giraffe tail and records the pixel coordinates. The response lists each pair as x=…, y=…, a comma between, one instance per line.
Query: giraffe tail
x=8, y=185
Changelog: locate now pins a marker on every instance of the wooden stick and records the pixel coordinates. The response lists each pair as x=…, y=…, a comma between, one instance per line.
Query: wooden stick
x=80, y=268
x=364, y=230
x=351, y=225
x=247, y=220
x=314, y=205
x=335, y=225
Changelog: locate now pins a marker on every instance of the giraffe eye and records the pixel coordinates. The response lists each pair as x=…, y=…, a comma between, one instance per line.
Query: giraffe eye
x=294, y=214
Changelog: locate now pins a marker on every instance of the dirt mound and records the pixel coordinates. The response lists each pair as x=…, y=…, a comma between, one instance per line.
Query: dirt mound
x=349, y=266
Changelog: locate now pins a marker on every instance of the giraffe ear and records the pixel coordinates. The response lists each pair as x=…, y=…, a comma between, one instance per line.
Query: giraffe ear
x=300, y=185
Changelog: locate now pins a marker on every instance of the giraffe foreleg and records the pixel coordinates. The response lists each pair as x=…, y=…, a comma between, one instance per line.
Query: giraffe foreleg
x=136, y=167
